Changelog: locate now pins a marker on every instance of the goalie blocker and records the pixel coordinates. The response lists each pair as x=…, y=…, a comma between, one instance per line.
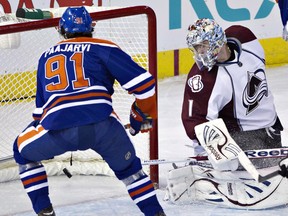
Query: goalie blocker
x=222, y=150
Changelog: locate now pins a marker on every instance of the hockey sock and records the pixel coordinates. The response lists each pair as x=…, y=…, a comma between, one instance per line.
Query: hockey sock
x=143, y=194
x=34, y=179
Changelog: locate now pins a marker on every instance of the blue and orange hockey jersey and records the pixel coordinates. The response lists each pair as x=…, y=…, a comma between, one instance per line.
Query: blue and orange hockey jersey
x=75, y=82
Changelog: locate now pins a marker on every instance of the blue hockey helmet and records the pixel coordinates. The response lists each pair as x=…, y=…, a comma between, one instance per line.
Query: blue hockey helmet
x=75, y=20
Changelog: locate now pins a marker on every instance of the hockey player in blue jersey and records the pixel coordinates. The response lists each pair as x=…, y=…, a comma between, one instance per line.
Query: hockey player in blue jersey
x=74, y=112
x=283, y=6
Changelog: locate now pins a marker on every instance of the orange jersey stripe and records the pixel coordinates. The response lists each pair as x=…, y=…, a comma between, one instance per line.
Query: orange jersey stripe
x=29, y=134
x=36, y=179
x=67, y=98
x=141, y=190
x=151, y=82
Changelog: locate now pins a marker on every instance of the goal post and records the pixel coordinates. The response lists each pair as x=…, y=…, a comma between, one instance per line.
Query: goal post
x=132, y=28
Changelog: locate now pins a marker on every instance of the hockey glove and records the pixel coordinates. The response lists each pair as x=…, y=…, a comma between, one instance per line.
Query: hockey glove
x=139, y=121
x=283, y=167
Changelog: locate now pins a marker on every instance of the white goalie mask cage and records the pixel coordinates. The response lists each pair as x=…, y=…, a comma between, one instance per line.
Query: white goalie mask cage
x=205, y=39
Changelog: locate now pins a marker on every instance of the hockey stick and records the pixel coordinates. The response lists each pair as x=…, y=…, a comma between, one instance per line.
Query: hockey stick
x=267, y=153
x=264, y=153
x=251, y=154
x=268, y=176
x=165, y=161
x=252, y=170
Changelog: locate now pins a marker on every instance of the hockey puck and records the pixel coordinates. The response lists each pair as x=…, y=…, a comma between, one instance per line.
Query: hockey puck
x=67, y=173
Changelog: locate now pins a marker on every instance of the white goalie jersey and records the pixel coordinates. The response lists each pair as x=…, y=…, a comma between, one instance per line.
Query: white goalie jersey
x=236, y=91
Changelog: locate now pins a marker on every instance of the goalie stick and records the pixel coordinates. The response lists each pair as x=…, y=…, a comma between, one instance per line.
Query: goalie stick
x=250, y=168
x=254, y=173
x=252, y=154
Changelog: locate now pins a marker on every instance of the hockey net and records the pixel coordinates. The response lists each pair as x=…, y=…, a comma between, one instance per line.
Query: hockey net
x=21, y=44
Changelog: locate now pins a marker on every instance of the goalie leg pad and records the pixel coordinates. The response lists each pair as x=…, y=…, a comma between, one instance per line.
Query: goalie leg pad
x=179, y=183
x=236, y=189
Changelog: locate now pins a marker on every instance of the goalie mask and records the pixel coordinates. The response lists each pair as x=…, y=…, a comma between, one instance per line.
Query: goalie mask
x=205, y=39
x=75, y=20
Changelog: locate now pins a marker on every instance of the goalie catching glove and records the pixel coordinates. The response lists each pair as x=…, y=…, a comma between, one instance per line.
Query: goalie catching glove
x=139, y=121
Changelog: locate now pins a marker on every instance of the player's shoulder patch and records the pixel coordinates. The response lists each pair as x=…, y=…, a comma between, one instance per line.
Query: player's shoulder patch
x=195, y=83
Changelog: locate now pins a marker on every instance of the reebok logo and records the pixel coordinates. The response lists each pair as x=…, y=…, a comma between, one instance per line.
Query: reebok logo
x=267, y=153
x=214, y=152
